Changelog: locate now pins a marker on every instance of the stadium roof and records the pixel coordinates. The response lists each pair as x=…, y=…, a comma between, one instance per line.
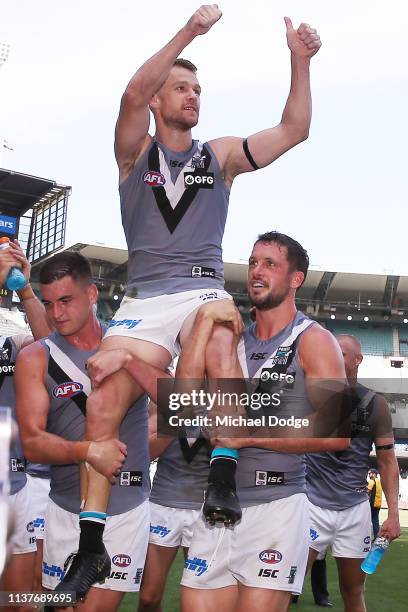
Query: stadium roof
x=21, y=192
x=381, y=291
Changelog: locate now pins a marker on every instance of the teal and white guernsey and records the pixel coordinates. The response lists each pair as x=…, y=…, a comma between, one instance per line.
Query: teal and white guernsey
x=263, y=475
x=174, y=208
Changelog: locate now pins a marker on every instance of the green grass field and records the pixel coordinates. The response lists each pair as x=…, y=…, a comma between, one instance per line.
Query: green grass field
x=387, y=590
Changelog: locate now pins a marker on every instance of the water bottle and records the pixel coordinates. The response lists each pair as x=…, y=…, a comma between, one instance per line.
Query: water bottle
x=15, y=279
x=378, y=548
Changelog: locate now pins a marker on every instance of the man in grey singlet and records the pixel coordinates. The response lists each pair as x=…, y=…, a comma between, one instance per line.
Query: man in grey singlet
x=51, y=414
x=175, y=502
x=337, y=485
x=262, y=559
x=174, y=197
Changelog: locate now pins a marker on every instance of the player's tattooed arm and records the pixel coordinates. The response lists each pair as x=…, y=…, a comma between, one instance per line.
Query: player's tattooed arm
x=131, y=137
x=264, y=147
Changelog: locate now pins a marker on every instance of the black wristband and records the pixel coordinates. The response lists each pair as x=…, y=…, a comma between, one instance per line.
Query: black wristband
x=248, y=154
x=384, y=447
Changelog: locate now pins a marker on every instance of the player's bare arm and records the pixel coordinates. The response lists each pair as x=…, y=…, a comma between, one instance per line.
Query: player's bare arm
x=263, y=148
x=388, y=467
x=157, y=445
x=321, y=359
x=132, y=136
x=32, y=405
x=34, y=309
x=107, y=362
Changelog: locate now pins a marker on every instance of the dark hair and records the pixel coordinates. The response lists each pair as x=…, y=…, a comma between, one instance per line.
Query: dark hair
x=67, y=263
x=185, y=63
x=296, y=255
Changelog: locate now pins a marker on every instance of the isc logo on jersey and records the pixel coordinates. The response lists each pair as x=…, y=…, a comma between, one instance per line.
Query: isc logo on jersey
x=67, y=389
x=121, y=560
x=270, y=556
x=154, y=179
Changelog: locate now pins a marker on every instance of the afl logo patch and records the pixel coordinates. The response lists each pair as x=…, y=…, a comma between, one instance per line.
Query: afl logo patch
x=270, y=556
x=154, y=179
x=122, y=560
x=67, y=389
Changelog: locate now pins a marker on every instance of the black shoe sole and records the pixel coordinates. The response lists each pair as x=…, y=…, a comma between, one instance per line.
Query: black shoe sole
x=214, y=515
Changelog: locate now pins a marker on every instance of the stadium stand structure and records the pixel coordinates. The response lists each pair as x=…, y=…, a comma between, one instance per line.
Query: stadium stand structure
x=370, y=306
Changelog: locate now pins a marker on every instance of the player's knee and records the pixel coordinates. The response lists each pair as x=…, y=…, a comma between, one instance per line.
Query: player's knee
x=149, y=600
x=352, y=592
x=221, y=354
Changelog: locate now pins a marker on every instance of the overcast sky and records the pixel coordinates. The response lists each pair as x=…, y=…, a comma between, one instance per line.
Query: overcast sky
x=342, y=193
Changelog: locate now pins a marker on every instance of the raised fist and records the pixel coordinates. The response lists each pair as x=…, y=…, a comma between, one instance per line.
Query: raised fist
x=303, y=42
x=203, y=19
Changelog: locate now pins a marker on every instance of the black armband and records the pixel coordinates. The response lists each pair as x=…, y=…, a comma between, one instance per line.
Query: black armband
x=248, y=154
x=384, y=447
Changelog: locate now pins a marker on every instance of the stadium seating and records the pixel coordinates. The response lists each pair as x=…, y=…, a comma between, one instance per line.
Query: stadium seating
x=375, y=340
x=403, y=341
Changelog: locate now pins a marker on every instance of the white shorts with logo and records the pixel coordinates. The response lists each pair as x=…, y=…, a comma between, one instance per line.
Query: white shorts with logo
x=267, y=549
x=23, y=539
x=171, y=526
x=347, y=532
x=159, y=319
x=125, y=537
x=39, y=491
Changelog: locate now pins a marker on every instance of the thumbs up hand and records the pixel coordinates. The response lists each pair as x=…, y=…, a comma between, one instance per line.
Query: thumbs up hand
x=303, y=42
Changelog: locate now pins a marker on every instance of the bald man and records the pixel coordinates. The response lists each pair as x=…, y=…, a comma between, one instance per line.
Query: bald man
x=337, y=487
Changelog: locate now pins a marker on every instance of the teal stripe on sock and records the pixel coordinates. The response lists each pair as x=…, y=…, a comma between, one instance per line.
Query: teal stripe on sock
x=96, y=515
x=224, y=452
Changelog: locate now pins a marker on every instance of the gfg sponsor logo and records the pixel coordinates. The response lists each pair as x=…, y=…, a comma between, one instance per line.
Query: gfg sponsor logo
x=154, y=179
x=121, y=560
x=270, y=556
x=202, y=180
x=268, y=374
x=67, y=389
